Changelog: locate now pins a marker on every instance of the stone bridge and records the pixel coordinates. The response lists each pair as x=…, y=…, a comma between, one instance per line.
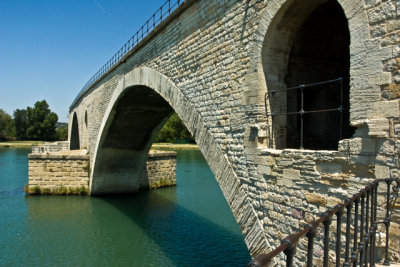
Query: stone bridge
x=280, y=156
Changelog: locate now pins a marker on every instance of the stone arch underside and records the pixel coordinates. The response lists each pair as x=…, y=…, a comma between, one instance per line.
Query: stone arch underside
x=127, y=132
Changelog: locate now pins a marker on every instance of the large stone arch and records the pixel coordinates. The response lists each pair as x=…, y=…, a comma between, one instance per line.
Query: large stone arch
x=105, y=157
x=277, y=13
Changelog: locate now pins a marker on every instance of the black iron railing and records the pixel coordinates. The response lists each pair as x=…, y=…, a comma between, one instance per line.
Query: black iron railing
x=302, y=111
x=160, y=15
x=360, y=236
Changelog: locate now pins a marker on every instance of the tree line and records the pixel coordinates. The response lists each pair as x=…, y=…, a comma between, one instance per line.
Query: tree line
x=33, y=123
x=174, y=131
x=40, y=123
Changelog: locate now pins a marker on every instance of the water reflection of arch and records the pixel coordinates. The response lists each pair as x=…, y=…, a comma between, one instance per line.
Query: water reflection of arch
x=274, y=48
x=74, y=138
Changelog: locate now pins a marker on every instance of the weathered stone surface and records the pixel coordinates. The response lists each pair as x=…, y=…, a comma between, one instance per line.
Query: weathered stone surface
x=55, y=171
x=316, y=199
x=70, y=170
x=161, y=169
x=213, y=63
x=51, y=147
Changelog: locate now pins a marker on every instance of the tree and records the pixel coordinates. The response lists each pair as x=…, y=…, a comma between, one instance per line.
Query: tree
x=7, y=129
x=21, y=123
x=62, y=133
x=174, y=131
x=42, y=122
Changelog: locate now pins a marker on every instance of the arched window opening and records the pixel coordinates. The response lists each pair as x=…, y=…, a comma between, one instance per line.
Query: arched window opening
x=74, y=140
x=317, y=54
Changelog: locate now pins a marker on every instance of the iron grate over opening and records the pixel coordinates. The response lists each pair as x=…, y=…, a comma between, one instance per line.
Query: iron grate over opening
x=302, y=111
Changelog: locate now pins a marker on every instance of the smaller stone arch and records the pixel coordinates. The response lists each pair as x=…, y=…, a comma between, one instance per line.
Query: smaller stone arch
x=74, y=138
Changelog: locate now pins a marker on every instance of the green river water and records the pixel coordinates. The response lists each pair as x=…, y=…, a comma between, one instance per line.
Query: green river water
x=187, y=225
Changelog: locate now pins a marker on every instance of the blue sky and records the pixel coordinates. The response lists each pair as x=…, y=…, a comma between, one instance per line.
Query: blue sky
x=49, y=49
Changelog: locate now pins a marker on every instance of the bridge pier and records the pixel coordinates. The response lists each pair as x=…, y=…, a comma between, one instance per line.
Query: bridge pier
x=56, y=170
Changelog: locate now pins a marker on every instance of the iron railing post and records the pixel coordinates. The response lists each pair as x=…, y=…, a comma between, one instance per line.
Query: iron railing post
x=387, y=222
x=375, y=210
x=326, y=223
x=310, y=244
x=367, y=236
x=290, y=251
x=361, y=246
x=348, y=217
x=354, y=254
x=372, y=230
x=339, y=215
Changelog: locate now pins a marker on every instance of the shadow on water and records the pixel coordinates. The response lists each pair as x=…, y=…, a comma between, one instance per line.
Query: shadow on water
x=187, y=225
x=186, y=238
x=191, y=224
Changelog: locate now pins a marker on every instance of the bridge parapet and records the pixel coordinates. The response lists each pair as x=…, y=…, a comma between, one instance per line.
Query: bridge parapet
x=167, y=11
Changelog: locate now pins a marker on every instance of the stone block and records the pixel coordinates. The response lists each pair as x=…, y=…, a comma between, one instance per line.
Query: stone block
x=282, y=181
x=291, y=174
x=329, y=167
x=378, y=127
x=362, y=145
x=385, y=109
x=317, y=199
x=382, y=172
x=333, y=201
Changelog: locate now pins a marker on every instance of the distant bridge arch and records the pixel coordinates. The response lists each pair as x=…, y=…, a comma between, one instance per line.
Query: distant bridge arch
x=74, y=136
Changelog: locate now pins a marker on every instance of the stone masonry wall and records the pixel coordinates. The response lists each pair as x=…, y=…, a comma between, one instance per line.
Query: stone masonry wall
x=50, y=172
x=51, y=147
x=211, y=56
x=161, y=169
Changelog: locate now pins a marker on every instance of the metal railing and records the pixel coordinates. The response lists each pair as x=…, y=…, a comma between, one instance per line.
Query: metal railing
x=360, y=237
x=302, y=112
x=159, y=16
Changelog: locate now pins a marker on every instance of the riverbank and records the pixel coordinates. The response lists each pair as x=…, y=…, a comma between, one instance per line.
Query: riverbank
x=22, y=144
x=162, y=146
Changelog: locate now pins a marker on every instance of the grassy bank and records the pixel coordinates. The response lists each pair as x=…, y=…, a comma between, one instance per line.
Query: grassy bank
x=162, y=146
x=20, y=143
x=155, y=145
